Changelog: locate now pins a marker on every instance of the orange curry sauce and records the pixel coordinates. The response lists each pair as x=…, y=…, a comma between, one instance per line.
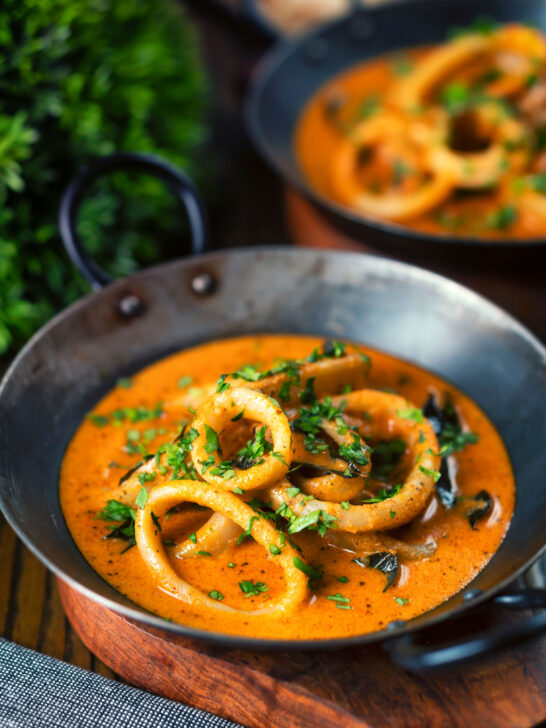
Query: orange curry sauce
x=97, y=457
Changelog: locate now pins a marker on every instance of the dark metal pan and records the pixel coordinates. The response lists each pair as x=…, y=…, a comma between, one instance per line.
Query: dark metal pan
x=293, y=71
x=127, y=324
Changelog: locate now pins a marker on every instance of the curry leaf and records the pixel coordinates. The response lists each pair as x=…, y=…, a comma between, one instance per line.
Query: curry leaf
x=383, y=561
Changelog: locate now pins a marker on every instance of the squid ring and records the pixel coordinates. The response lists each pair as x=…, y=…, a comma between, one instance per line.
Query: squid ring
x=329, y=376
x=395, y=206
x=214, y=536
x=216, y=412
x=333, y=486
x=411, y=93
x=481, y=169
x=386, y=422
x=150, y=546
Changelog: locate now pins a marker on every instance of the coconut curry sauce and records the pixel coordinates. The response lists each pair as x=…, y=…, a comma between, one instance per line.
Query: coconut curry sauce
x=316, y=580
x=449, y=139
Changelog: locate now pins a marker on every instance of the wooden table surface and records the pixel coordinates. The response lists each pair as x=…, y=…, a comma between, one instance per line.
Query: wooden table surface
x=250, y=212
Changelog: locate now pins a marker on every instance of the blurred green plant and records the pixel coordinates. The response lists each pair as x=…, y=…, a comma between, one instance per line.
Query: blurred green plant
x=80, y=78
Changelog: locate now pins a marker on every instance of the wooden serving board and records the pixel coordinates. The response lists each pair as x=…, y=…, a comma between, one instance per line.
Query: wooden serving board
x=352, y=688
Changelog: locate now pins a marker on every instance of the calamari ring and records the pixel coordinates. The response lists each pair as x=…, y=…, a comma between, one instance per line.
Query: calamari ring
x=329, y=487
x=216, y=412
x=150, y=545
x=216, y=535
x=411, y=92
x=508, y=151
x=329, y=376
x=509, y=42
x=385, y=423
x=395, y=206
x=438, y=65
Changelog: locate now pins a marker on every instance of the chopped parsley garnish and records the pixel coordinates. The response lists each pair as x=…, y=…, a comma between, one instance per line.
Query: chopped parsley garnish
x=385, y=494
x=434, y=474
x=116, y=511
x=502, y=218
x=455, y=96
x=538, y=183
x=334, y=349
x=447, y=427
x=145, y=477
x=203, y=553
x=215, y=594
x=122, y=514
x=341, y=601
x=155, y=520
x=185, y=381
x=401, y=65
x=222, y=385
x=284, y=391
x=318, y=520
x=226, y=471
x=251, y=589
x=275, y=550
x=124, y=383
x=142, y=498
x=137, y=414
x=193, y=537
x=401, y=600
x=356, y=452
x=176, y=454
x=308, y=396
x=248, y=532
x=97, y=420
x=278, y=456
x=213, y=441
x=293, y=491
x=239, y=416
x=369, y=106
x=248, y=372
x=254, y=450
x=311, y=572
x=207, y=463
x=411, y=413
x=309, y=422
x=345, y=505
x=482, y=25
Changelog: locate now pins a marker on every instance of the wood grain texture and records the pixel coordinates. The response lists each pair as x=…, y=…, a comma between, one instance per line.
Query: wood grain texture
x=356, y=688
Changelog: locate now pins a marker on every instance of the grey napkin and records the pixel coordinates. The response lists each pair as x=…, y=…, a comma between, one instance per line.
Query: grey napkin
x=37, y=691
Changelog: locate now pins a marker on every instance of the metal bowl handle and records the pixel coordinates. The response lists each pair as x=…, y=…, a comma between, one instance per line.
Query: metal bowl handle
x=178, y=182
x=407, y=653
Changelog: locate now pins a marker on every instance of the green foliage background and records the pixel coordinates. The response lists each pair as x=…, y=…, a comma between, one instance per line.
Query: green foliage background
x=80, y=78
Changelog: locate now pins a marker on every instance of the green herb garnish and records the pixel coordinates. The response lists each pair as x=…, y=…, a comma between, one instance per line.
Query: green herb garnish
x=251, y=589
